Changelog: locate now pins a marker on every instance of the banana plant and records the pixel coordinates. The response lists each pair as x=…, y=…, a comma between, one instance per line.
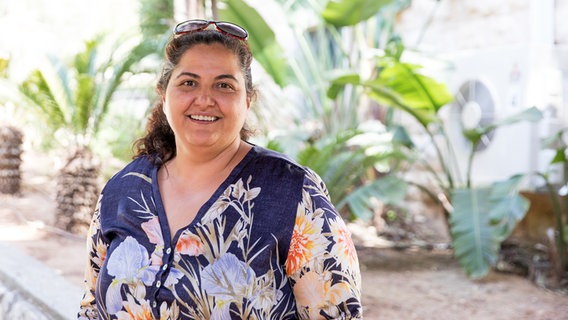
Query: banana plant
x=479, y=217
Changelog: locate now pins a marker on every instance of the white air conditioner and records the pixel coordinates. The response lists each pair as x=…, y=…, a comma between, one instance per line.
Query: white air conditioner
x=491, y=84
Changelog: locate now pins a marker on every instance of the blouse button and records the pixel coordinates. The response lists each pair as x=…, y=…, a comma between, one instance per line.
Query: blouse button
x=154, y=304
x=169, y=250
x=158, y=283
x=165, y=267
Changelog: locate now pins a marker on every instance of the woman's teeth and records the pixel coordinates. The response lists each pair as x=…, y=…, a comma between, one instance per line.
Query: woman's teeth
x=202, y=118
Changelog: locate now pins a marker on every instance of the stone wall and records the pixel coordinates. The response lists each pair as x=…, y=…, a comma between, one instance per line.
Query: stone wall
x=31, y=290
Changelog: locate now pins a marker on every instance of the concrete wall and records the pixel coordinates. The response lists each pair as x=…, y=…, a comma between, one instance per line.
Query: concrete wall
x=31, y=290
x=476, y=24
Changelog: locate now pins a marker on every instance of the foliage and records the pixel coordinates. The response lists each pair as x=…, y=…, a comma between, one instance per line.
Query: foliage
x=471, y=216
x=4, y=63
x=484, y=217
x=155, y=17
x=262, y=39
x=74, y=98
x=345, y=162
x=557, y=142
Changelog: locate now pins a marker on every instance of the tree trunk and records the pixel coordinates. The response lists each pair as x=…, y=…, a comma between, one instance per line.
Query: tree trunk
x=10, y=160
x=77, y=192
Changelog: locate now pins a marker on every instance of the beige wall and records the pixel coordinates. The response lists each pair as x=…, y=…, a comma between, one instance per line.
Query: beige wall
x=473, y=24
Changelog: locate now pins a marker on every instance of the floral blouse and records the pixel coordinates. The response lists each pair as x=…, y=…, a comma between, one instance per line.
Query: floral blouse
x=267, y=245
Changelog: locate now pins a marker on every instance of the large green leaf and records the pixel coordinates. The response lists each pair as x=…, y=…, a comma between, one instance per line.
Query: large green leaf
x=474, y=245
x=481, y=220
x=475, y=135
x=399, y=85
x=262, y=40
x=84, y=102
x=38, y=91
x=508, y=207
x=388, y=189
x=341, y=13
x=417, y=90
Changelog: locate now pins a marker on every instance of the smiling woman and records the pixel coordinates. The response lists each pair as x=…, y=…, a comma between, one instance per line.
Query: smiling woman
x=203, y=224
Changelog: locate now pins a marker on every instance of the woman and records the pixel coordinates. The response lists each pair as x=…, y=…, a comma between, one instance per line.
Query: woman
x=202, y=224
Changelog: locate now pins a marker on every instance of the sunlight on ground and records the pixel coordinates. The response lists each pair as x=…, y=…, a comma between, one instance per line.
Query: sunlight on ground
x=20, y=232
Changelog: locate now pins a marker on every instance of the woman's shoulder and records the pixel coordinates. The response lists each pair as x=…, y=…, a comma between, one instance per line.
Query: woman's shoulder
x=267, y=158
x=140, y=167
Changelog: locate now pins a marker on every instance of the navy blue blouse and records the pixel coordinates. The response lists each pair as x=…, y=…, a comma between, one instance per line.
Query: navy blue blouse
x=267, y=245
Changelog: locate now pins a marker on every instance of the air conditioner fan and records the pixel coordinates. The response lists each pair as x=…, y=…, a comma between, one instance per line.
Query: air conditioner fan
x=474, y=106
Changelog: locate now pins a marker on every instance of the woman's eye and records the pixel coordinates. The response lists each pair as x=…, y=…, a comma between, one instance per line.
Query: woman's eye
x=188, y=83
x=224, y=85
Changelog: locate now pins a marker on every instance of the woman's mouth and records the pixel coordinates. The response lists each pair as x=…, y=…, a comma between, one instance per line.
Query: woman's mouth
x=203, y=118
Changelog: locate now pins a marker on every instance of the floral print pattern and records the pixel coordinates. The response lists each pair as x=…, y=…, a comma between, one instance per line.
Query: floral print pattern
x=267, y=245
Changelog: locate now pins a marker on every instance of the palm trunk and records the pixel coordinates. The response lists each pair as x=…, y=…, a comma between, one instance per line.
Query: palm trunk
x=77, y=192
x=10, y=160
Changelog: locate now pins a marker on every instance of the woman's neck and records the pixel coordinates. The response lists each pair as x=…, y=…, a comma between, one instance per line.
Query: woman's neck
x=196, y=163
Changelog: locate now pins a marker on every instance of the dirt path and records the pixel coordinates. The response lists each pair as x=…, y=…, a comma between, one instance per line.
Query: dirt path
x=405, y=285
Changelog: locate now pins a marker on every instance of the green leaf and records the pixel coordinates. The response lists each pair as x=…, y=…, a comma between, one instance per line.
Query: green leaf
x=338, y=83
x=559, y=156
x=482, y=219
x=475, y=135
x=38, y=91
x=388, y=189
x=84, y=102
x=474, y=245
x=262, y=40
x=399, y=85
x=4, y=64
x=341, y=13
x=508, y=207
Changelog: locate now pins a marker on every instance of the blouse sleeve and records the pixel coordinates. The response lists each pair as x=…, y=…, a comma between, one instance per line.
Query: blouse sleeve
x=96, y=252
x=322, y=262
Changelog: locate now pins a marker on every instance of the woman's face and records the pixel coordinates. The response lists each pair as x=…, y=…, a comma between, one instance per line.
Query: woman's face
x=205, y=100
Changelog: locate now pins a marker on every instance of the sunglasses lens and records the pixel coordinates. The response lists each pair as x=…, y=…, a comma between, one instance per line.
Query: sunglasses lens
x=190, y=26
x=232, y=29
x=198, y=25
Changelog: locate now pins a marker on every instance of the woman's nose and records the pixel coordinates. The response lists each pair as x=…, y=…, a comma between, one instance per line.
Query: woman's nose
x=204, y=97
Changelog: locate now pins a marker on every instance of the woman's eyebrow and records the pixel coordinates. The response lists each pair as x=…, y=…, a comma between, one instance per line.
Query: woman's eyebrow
x=185, y=73
x=219, y=77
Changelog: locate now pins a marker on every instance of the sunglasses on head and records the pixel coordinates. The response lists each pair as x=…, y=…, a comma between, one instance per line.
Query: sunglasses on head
x=221, y=26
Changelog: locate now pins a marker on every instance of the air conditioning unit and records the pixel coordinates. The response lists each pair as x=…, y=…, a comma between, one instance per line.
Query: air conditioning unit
x=491, y=84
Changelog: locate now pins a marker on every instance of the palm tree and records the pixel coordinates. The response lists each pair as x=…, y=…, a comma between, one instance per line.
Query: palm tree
x=10, y=151
x=11, y=139
x=73, y=100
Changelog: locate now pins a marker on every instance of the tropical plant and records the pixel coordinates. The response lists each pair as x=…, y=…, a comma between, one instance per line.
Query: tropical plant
x=156, y=17
x=73, y=100
x=480, y=218
x=559, y=197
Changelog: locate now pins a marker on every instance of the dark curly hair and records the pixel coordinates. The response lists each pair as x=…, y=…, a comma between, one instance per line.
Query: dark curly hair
x=159, y=142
